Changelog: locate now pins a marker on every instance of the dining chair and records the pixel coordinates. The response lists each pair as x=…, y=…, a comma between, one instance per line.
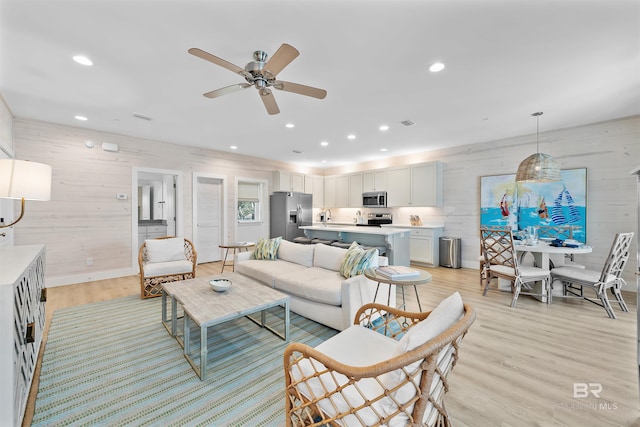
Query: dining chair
x=562, y=232
x=574, y=280
x=501, y=262
x=483, y=266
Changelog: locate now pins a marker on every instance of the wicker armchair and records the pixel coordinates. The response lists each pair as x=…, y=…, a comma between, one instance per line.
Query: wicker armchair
x=164, y=264
x=390, y=384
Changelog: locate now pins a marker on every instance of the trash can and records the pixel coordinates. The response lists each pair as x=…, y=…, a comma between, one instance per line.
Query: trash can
x=450, y=252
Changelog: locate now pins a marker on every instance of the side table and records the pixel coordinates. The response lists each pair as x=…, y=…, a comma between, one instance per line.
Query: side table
x=234, y=247
x=423, y=278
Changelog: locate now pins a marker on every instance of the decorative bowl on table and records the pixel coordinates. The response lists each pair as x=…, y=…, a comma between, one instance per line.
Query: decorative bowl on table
x=220, y=285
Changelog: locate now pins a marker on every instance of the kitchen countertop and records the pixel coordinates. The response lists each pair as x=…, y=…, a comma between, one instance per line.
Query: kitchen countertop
x=386, y=231
x=424, y=225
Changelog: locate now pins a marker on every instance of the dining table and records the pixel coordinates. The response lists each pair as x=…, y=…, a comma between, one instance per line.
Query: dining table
x=542, y=252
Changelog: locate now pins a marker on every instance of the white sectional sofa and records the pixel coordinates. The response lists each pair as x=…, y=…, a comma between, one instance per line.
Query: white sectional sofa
x=310, y=275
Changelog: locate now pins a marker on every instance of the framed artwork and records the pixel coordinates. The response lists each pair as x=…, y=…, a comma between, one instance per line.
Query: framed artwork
x=560, y=205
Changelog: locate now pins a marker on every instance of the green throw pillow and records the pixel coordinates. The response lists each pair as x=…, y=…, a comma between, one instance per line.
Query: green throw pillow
x=357, y=260
x=267, y=248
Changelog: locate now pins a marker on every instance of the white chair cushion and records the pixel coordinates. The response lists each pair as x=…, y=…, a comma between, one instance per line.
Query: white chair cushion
x=445, y=315
x=296, y=253
x=166, y=268
x=163, y=250
x=329, y=257
x=526, y=271
x=355, y=346
x=580, y=274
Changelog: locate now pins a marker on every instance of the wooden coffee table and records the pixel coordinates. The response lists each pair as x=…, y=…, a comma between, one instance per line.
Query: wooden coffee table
x=207, y=308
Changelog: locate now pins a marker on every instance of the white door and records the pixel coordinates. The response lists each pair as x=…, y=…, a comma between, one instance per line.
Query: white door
x=208, y=218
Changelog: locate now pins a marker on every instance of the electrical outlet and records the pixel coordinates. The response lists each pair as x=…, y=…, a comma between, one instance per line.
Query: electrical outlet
x=89, y=261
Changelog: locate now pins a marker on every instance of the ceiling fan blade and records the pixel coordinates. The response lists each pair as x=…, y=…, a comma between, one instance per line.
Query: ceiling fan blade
x=218, y=61
x=300, y=89
x=269, y=101
x=283, y=57
x=225, y=90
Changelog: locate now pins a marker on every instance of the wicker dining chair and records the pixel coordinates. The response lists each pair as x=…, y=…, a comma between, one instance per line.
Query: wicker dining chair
x=406, y=388
x=574, y=280
x=501, y=262
x=170, y=267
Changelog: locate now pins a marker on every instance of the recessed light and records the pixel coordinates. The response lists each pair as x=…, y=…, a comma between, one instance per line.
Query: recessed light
x=438, y=66
x=233, y=147
x=290, y=125
x=383, y=149
x=89, y=144
x=324, y=161
x=324, y=143
x=384, y=127
x=351, y=136
x=82, y=60
x=83, y=118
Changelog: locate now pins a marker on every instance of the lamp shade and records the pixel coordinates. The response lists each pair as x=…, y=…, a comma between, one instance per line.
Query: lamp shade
x=538, y=167
x=21, y=179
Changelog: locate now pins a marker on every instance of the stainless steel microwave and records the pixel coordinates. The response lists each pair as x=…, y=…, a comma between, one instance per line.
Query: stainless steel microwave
x=374, y=199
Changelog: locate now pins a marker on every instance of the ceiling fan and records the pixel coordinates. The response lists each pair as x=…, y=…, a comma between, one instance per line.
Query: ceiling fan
x=261, y=74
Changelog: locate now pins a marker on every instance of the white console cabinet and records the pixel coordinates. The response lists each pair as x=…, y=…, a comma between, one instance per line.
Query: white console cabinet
x=22, y=318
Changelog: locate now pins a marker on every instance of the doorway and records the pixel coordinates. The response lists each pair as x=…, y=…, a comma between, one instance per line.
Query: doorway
x=208, y=216
x=156, y=206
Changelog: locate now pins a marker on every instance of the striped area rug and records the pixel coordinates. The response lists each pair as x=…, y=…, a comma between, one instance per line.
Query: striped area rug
x=112, y=363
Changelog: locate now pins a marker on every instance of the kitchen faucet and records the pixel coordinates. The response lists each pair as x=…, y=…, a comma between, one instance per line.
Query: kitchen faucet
x=327, y=215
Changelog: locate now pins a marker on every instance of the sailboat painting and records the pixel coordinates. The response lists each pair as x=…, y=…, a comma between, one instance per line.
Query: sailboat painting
x=557, y=204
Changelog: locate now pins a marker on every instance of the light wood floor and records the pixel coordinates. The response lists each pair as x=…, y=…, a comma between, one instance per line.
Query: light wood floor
x=518, y=366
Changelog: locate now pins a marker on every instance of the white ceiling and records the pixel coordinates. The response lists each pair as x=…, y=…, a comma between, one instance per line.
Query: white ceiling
x=577, y=61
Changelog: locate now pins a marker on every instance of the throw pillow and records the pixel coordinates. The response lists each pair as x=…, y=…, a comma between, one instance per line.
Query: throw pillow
x=357, y=260
x=267, y=248
x=165, y=250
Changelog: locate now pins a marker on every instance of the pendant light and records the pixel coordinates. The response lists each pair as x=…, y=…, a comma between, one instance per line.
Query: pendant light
x=538, y=167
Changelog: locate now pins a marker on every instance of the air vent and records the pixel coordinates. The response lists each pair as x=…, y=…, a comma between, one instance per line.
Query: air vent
x=297, y=152
x=407, y=123
x=141, y=116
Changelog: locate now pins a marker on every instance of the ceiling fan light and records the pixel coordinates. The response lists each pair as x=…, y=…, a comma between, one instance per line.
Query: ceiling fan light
x=538, y=167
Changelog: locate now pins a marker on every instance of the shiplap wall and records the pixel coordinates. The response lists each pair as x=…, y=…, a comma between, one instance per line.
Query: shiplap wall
x=85, y=220
x=608, y=150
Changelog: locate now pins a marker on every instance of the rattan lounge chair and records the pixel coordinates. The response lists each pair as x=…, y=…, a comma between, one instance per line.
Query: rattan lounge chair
x=368, y=376
x=164, y=263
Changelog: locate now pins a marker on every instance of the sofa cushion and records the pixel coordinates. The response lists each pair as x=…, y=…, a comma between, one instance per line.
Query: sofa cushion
x=164, y=250
x=329, y=257
x=315, y=284
x=357, y=260
x=265, y=272
x=296, y=253
x=166, y=268
x=267, y=248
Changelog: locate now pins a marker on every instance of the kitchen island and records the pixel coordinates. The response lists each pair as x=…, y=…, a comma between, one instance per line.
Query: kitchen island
x=395, y=240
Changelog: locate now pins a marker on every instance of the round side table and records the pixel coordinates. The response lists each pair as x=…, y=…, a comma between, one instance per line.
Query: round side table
x=233, y=247
x=423, y=278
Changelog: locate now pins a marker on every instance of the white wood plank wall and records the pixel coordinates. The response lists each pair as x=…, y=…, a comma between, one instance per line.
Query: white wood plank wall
x=84, y=219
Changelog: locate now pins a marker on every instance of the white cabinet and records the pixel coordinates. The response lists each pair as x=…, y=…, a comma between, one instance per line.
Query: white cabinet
x=151, y=232
x=314, y=185
x=288, y=181
x=342, y=191
x=355, y=190
x=374, y=180
x=424, y=246
x=426, y=184
x=415, y=185
x=399, y=186
x=22, y=318
x=330, y=192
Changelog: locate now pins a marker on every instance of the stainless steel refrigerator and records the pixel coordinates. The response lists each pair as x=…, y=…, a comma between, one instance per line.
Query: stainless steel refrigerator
x=288, y=211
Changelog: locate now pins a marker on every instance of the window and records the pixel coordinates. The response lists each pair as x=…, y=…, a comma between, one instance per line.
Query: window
x=249, y=201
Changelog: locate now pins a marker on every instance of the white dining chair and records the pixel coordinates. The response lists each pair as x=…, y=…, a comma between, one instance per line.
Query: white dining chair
x=574, y=280
x=501, y=262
